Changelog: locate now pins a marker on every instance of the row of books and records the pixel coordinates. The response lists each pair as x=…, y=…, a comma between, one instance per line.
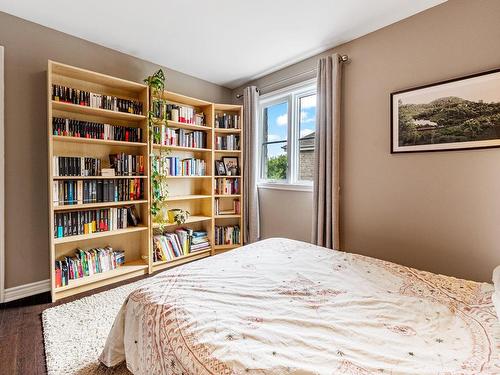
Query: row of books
x=127, y=165
x=222, y=208
x=183, y=242
x=91, y=221
x=76, y=166
x=87, y=263
x=227, y=142
x=227, y=186
x=90, y=99
x=180, y=137
x=227, y=121
x=227, y=235
x=95, y=191
x=94, y=130
x=177, y=113
x=174, y=166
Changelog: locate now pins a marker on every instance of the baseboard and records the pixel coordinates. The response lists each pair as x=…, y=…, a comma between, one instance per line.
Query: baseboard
x=26, y=290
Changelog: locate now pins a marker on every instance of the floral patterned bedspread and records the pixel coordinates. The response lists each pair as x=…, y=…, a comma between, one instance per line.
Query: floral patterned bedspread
x=287, y=307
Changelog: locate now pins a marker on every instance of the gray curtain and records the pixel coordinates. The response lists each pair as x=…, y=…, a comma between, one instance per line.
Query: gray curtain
x=250, y=165
x=325, y=222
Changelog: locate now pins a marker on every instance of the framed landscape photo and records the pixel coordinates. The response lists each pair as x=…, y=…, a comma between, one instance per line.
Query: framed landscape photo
x=462, y=113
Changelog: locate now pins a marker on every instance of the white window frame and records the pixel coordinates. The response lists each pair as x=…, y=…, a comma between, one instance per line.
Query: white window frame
x=291, y=95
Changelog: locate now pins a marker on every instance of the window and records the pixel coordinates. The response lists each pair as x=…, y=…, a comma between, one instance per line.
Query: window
x=288, y=120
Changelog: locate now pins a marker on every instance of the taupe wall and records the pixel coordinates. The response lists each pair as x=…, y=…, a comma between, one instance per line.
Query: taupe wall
x=435, y=211
x=28, y=46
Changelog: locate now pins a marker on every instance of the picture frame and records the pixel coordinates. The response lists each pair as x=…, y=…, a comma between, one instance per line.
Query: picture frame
x=231, y=162
x=456, y=114
x=220, y=168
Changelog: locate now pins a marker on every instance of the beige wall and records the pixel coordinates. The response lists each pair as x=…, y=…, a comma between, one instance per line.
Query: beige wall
x=27, y=48
x=435, y=211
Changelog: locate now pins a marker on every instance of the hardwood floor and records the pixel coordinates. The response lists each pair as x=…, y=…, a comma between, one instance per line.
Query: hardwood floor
x=21, y=335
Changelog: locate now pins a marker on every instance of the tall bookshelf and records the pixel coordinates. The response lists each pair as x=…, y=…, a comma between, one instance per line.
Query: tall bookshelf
x=196, y=194
x=193, y=193
x=133, y=240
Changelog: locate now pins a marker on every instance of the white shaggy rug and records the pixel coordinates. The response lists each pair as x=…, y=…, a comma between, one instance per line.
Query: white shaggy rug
x=75, y=332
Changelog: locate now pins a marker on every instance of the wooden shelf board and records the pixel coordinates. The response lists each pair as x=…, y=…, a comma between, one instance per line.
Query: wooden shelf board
x=227, y=151
x=227, y=176
x=69, y=207
x=183, y=99
x=190, y=220
x=62, y=138
x=128, y=267
x=226, y=130
x=179, y=148
x=182, y=259
x=84, y=110
x=226, y=247
x=227, y=216
x=186, y=177
x=183, y=125
x=228, y=107
x=187, y=197
x=96, y=177
x=91, y=236
x=227, y=195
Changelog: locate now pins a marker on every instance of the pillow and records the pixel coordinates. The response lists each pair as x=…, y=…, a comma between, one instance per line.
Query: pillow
x=496, y=293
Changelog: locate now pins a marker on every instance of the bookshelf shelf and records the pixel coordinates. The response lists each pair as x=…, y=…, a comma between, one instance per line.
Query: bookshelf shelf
x=133, y=241
x=83, y=237
x=157, y=266
x=97, y=177
x=187, y=177
x=229, y=216
x=227, y=195
x=227, y=176
x=84, y=110
x=179, y=148
x=62, y=138
x=127, y=268
x=226, y=247
x=191, y=220
x=227, y=151
x=72, y=207
x=227, y=131
x=187, y=197
x=183, y=125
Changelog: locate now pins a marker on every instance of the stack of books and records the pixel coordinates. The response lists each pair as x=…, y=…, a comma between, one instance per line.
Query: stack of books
x=184, y=241
x=227, y=186
x=227, y=142
x=94, y=130
x=179, y=137
x=227, y=121
x=177, y=113
x=174, y=166
x=87, y=263
x=199, y=241
x=228, y=235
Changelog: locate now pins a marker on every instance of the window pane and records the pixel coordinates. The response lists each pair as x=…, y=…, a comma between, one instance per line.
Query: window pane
x=274, y=146
x=307, y=125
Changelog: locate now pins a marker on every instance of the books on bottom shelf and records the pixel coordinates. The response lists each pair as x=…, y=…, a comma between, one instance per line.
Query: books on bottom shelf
x=87, y=263
x=183, y=242
x=227, y=235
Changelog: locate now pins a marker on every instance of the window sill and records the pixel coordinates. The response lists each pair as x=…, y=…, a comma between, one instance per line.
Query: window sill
x=281, y=186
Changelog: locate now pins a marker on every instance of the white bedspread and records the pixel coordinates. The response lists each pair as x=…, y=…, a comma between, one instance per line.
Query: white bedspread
x=287, y=307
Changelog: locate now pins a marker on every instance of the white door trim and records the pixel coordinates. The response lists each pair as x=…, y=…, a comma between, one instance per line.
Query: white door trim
x=2, y=178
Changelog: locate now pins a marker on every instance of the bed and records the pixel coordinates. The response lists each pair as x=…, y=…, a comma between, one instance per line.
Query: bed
x=286, y=307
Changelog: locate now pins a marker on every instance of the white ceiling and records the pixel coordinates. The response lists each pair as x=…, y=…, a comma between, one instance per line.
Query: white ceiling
x=227, y=42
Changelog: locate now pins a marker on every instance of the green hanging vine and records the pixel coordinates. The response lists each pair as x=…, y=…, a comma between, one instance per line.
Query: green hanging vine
x=156, y=83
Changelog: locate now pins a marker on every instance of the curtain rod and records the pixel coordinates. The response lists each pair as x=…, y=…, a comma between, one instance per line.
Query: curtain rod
x=342, y=58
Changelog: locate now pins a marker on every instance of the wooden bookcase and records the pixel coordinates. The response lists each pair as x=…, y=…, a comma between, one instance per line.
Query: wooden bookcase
x=196, y=193
x=134, y=241
x=193, y=193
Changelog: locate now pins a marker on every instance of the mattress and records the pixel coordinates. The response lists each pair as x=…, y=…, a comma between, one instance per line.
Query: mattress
x=280, y=306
